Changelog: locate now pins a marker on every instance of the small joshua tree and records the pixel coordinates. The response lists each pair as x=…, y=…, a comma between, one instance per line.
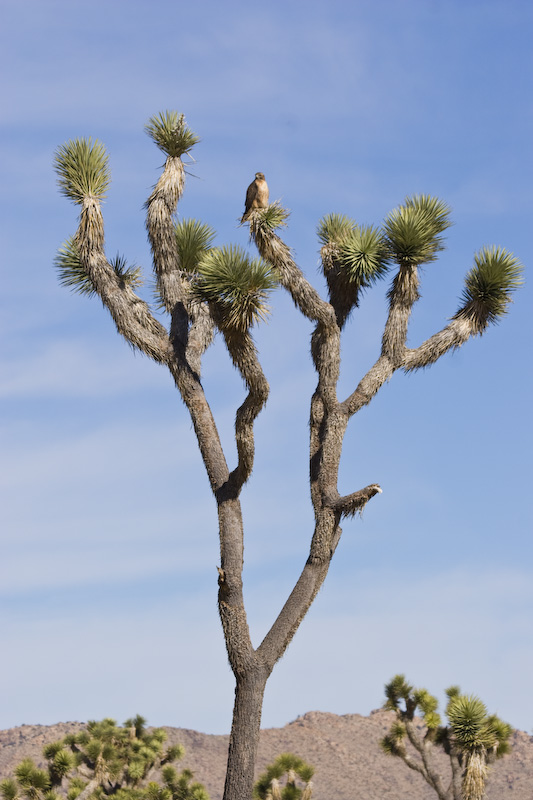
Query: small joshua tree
x=103, y=760
x=295, y=770
x=205, y=289
x=471, y=740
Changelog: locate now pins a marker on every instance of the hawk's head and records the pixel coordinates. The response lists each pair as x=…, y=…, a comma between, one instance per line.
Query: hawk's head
x=259, y=176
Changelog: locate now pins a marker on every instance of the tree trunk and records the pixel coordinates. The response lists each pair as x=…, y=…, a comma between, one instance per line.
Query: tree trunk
x=244, y=737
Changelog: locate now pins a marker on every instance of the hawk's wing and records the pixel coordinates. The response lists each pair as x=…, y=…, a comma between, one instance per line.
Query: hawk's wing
x=251, y=194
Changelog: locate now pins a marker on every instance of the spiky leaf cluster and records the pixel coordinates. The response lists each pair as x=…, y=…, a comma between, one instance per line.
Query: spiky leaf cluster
x=396, y=690
x=291, y=766
x=32, y=779
x=364, y=256
x=193, y=240
x=361, y=252
x=428, y=705
x=235, y=286
x=392, y=743
x=137, y=726
x=272, y=217
x=488, y=287
x=75, y=788
x=502, y=733
x=334, y=228
x=60, y=762
x=171, y=134
x=9, y=789
x=470, y=724
x=73, y=274
x=83, y=170
x=180, y=786
x=413, y=230
x=453, y=691
x=130, y=276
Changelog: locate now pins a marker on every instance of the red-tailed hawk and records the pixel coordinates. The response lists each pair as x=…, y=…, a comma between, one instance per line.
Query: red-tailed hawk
x=256, y=195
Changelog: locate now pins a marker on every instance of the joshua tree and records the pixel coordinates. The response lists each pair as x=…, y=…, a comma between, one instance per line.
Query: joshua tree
x=206, y=289
x=102, y=760
x=268, y=786
x=471, y=740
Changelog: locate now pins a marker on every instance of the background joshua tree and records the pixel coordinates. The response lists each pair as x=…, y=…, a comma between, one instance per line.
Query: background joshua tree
x=103, y=760
x=206, y=290
x=268, y=786
x=471, y=740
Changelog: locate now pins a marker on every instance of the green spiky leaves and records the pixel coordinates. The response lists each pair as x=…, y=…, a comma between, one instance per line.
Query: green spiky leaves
x=178, y=786
x=291, y=766
x=235, y=286
x=392, y=743
x=364, y=256
x=353, y=258
x=9, y=789
x=32, y=780
x=61, y=761
x=193, y=240
x=273, y=216
x=76, y=786
x=73, y=274
x=130, y=276
x=496, y=274
x=397, y=689
x=82, y=169
x=334, y=228
x=170, y=133
x=361, y=252
x=175, y=752
x=71, y=271
x=413, y=230
x=428, y=705
x=470, y=723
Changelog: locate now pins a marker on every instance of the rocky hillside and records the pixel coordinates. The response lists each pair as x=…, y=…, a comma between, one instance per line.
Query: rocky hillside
x=343, y=749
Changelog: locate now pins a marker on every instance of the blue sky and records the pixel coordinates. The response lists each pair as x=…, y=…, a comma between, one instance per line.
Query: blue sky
x=109, y=542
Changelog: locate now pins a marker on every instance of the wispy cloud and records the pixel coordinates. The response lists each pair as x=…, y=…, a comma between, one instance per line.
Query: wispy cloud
x=70, y=368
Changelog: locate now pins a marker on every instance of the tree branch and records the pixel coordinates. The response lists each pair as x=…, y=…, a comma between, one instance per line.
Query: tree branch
x=276, y=252
x=432, y=777
x=351, y=504
x=368, y=387
x=343, y=293
x=457, y=771
x=294, y=610
x=403, y=295
x=130, y=314
x=160, y=206
x=450, y=338
x=244, y=355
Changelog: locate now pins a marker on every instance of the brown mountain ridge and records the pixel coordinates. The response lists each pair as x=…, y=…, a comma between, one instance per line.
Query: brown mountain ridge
x=344, y=750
